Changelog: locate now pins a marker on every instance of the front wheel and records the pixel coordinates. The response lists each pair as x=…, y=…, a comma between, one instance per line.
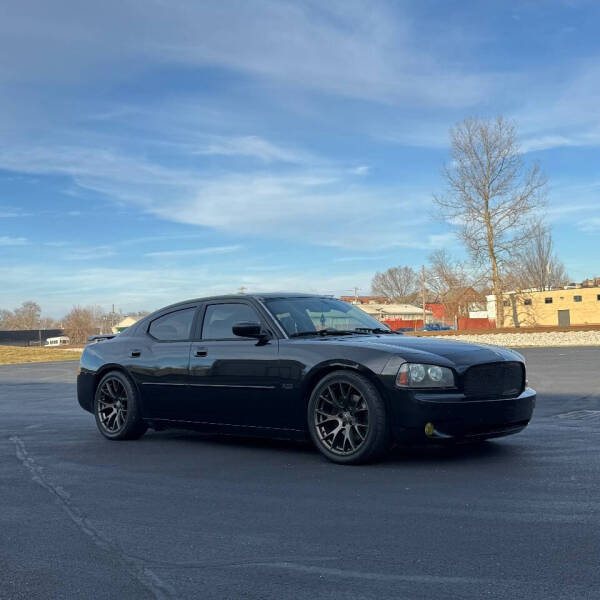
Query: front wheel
x=347, y=419
x=117, y=409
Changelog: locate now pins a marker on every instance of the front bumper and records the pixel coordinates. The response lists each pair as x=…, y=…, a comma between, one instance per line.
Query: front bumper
x=454, y=417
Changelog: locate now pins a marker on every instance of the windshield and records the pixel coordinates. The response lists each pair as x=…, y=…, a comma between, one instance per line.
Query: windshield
x=313, y=314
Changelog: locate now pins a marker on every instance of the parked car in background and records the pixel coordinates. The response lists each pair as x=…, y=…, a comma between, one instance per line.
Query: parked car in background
x=435, y=327
x=60, y=340
x=297, y=366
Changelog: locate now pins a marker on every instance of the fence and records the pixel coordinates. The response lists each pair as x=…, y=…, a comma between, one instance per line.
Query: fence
x=403, y=324
x=468, y=323
x=27, y=337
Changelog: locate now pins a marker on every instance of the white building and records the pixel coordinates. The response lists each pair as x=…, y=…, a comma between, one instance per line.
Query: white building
x=408, y=312
x=124, y=324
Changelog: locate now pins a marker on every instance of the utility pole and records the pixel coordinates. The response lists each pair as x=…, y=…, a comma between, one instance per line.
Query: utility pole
x=356, y=288
x=423, y=291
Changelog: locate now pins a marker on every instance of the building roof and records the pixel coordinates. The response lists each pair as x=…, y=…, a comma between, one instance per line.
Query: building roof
x=393, y=309
x=126, y=322
x=364, y=299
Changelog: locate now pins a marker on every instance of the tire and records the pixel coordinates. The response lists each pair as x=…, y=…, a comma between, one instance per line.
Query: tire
x=117, y=408
x=347, y=419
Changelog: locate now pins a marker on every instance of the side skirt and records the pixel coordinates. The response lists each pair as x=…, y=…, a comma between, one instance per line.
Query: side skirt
x=229, y=429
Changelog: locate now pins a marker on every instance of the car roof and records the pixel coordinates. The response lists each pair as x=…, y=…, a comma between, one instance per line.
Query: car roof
x=255, y=296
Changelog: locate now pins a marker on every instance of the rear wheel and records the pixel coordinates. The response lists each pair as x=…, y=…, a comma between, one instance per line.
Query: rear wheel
x=347, y=419
x=117, y=409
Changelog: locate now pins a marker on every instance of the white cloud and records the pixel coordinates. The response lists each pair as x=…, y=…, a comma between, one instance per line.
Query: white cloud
x=563, y=108
x=361, y=170
x=194, y=252
x=10, y=212
x=334, y=47
x=255, y=147
x=308, y=203
x=590, y=225
x=357, y=258
x=6, y=240
x=132, y=288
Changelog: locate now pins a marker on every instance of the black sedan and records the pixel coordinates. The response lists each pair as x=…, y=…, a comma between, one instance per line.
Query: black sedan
x=297, y=365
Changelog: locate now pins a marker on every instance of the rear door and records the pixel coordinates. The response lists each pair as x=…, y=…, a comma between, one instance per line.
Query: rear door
x=160, y=364
x=235, y=380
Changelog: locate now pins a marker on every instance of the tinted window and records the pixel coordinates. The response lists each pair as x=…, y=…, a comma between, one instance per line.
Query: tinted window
x=220, y=318
x=173, y=327
x=527, y=301
x=548, y=300
x=577, y=298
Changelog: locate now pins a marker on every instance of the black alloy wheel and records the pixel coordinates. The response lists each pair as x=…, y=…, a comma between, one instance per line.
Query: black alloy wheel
x=116, y=408
x=347, y=419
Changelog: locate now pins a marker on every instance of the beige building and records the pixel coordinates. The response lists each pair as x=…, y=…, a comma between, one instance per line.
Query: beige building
x=572, y=306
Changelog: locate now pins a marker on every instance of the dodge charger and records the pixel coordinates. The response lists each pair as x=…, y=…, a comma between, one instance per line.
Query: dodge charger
x=299, y=366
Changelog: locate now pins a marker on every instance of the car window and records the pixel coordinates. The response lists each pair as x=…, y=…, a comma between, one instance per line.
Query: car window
x=298, y=315
x=220, y=318
x=173, y=327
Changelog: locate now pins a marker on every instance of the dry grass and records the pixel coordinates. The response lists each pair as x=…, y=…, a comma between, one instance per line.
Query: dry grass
x=12, y=355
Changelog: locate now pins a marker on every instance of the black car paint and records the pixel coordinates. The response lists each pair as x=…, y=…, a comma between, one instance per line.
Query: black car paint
x=249, y=386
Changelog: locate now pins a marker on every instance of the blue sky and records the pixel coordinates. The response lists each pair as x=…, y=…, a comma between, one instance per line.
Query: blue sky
x=158, y=150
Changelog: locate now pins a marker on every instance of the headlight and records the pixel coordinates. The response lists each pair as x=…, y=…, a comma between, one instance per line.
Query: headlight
x=416, y=375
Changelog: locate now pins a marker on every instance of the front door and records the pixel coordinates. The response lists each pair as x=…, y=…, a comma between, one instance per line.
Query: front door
x=233, y=380
x=564, y=318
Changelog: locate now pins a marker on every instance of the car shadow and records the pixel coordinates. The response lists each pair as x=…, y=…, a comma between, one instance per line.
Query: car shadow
x=414, y=454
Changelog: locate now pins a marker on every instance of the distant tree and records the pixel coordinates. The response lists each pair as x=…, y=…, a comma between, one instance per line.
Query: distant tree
x=80, y=323
x=6, y=319
x=26, y=316
x=400, y=284
x=454, y=284
x=446, y=273
x=491, y=195
x=49, y=323
x=536, y=265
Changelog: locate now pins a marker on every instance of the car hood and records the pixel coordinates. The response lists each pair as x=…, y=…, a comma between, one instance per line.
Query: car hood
x=429, y=349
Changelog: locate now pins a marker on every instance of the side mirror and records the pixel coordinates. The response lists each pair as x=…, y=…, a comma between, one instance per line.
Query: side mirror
x=249, y=329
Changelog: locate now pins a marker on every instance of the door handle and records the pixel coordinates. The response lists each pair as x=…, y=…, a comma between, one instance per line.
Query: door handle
x=200, y=353
x=135, y=353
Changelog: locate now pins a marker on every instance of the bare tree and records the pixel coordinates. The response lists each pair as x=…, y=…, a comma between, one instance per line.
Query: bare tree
x=80, y=323
x=26, y=316
x=6, y=317
x=536, y=266
x=445, y=273
x=454, y=284
x=48, y=323
x=491, y=195
x=397, y=283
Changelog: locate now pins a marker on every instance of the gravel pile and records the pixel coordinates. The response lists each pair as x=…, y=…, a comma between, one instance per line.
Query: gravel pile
x=562, y=338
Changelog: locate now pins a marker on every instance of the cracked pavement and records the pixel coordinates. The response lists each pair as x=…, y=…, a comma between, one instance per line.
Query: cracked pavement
x=180, y=515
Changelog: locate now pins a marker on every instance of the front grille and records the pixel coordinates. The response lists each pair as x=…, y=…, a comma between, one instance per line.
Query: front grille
x=497, y=380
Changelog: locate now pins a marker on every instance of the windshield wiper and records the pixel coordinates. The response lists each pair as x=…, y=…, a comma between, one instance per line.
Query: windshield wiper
x=329, y=331
x=375, y=330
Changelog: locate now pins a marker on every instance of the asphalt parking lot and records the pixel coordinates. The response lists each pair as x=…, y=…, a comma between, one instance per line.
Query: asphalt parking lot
x=181, y=515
